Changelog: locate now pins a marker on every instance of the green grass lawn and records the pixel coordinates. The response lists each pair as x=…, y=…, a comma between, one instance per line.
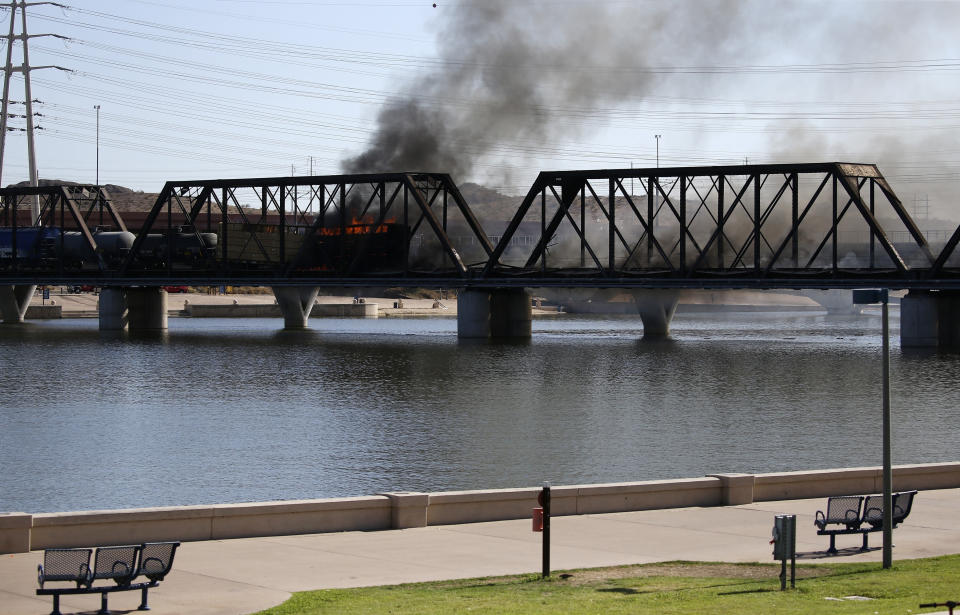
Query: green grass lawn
x=678, y=587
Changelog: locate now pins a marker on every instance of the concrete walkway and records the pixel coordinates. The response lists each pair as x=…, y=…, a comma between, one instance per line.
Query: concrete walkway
x=246, y=575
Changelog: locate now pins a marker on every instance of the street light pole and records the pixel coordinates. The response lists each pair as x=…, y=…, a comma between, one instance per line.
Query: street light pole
x=887, y=468
x=97, y=107
x=882, y=296
x=657, y=137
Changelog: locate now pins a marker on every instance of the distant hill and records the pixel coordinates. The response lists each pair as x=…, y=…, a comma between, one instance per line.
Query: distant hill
x=487, y=204
x=123, y=198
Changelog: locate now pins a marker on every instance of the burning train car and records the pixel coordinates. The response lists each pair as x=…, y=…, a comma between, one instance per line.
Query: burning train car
x=361, y=247
x=354, y=247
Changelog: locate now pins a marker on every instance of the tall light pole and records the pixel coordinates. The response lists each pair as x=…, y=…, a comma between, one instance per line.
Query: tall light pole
x=97, y=107
x=881, y=296
x=657, y=137
x=887, y=468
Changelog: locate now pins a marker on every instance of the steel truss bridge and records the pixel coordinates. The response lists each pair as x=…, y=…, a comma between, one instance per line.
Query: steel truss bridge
x=822, y=225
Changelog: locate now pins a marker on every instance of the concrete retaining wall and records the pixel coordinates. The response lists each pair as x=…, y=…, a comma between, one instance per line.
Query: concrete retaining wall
x=270, y=310
x=44, y=312
x=240, y=310
x=852, y=481
x=108, y=527
x=345, y=310
x=21, y=532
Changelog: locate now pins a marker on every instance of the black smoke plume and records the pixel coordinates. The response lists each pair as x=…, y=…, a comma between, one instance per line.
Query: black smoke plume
x=531, y=73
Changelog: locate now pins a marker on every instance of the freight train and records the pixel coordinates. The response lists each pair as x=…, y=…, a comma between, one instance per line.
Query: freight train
x=47, y=247
x=354, y=247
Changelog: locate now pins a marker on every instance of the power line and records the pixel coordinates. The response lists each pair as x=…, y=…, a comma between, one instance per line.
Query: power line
x=884, y=66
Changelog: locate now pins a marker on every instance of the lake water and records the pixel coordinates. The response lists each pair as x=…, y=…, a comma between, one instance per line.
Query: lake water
x=238, y=410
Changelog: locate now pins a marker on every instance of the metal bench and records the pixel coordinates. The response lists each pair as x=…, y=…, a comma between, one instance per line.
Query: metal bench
x=844, y=516
x=120, y=564
x=873, y=513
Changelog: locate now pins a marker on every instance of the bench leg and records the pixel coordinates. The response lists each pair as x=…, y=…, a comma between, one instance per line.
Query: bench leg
x=833, y=545
x=143, y=600
x=865, y=546
x=56, y=605
x=103, y=604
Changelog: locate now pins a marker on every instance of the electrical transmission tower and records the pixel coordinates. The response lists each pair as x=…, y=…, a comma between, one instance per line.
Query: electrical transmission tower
x=921, y=206
x=25, y=69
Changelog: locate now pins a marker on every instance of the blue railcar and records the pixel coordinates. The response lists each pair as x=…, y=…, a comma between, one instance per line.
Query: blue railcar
x=33, y=245
x=51, y=246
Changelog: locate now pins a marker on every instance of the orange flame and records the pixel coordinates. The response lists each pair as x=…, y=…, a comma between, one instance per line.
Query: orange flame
x=366, y=226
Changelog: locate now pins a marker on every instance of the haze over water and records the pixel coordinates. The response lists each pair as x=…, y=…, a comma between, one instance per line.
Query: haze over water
x=236, y=410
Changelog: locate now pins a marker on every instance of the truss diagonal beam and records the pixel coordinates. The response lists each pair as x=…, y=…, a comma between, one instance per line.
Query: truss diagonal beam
x=469, y=216
x=147, y=225
x=569, y=194
x=904, y=217
x=515, y=222
x=579, y=233
x=441, y=234
x=854, y=193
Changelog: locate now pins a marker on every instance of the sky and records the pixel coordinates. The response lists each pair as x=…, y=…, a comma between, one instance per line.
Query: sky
x=203, y=89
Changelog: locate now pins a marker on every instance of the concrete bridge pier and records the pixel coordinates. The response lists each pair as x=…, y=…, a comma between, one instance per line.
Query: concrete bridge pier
x=296, y=303
x=930, y=319
x=494, y=313
x=656, y=308
x=14, y=301
x=138, y=308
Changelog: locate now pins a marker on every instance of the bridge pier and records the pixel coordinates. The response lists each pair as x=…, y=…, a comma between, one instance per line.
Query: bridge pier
x=496, y=313
x=140, y=308
x=656, y=308
x=930, y=319
x=14, y=301
x=296, y=303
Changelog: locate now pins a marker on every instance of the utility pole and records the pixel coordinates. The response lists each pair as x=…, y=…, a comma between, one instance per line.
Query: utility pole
x=310, y=201
x=25, y=69
x=657, y=137
x=8, y=69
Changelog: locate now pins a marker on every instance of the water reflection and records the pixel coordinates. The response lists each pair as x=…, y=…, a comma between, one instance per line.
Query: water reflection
x=238, y=410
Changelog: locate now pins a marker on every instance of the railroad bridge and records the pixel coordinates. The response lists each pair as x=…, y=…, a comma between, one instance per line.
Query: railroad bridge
x=648, y=232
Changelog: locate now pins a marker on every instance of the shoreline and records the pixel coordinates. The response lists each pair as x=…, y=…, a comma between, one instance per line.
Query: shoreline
x=242, y=305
